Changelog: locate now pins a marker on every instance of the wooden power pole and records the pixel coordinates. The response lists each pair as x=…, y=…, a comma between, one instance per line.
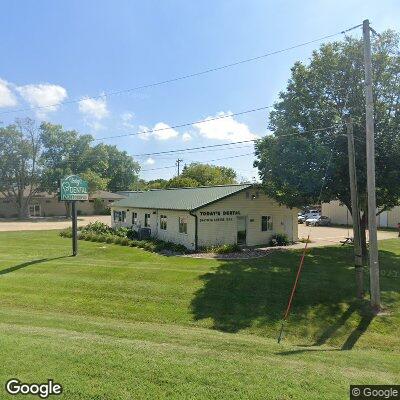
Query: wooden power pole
x=355, y=212
x=372, y=226
x=178, y=164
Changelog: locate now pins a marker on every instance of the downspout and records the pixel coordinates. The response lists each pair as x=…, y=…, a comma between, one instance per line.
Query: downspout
x=196, y=237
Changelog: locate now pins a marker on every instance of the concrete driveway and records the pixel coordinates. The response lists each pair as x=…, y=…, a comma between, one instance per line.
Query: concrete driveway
x=332, y=235
x=41, y=224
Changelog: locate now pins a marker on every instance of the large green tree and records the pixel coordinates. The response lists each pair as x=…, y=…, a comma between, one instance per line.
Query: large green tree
x=67, y=152
x=293, y=161
x=208, y=175
x=20, y=171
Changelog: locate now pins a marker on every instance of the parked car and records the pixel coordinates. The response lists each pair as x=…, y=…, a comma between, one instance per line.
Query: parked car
x=318, y=221
x=303, y=217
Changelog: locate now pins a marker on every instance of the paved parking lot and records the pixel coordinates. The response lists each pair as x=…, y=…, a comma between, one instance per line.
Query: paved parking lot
x=331, y=235
x=39, y=224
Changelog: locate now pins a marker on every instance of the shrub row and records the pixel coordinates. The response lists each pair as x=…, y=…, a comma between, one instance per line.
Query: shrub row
x=98, y=232
x=222, y=249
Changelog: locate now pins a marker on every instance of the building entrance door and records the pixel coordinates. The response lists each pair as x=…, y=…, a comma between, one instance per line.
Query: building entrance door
x=34, y=210
x=241, y=230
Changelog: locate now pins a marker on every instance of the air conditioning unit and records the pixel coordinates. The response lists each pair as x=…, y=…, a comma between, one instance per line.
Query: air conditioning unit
x=144, y=233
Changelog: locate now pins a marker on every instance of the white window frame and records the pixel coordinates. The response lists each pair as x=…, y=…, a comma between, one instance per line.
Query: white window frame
x=147, y=217
x=182, y=225
x=270, y=223
x=134, y=218
x=119, y=216
x=163, y=222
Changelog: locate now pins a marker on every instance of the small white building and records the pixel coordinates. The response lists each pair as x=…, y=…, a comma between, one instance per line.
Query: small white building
x=340, y=215
x=207, y=216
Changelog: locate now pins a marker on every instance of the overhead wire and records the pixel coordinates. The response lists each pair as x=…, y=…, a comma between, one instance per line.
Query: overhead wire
x=178, y=78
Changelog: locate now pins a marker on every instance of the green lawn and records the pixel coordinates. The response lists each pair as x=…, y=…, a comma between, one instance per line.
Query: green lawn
x=120, y=323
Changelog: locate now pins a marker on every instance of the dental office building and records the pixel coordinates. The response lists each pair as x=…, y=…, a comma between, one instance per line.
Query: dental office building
x=206, y=216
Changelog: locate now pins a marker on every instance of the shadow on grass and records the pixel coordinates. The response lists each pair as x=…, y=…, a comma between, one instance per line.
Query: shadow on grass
x=240, y=294
x=28, y=263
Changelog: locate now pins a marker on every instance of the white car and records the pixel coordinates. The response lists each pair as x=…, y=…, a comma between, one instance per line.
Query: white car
x=311, y=214
x=318, y=221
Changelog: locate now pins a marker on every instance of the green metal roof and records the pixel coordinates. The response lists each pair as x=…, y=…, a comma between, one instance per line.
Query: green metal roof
x=179, y=199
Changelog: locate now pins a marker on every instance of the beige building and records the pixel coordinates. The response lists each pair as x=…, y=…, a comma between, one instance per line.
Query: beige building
x=207, y=216
x=340, y=215
x=45, y=204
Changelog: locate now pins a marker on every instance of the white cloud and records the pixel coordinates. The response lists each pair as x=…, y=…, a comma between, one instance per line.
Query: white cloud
x=144, y=134
x=7, y=98
x=127, y=118
x=95, y=125
x=150, y=161
x=186, y=137
x=225, y=128
x=161, y=131
x=94, y=108
x=43, y=95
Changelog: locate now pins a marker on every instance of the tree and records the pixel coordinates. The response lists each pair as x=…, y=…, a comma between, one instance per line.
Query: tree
x=68, y=152
x=20, y=172
x=208, y=175
x=121, y=169
x=95, y=181
x=292, y=166
x=181, y=181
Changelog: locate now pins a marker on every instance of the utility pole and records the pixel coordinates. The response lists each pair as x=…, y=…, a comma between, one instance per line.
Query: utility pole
x=355, y=212
x=369, y=116
x=178, y=162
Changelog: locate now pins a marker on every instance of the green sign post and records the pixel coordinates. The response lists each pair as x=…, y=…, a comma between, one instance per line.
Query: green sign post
x=74, y=189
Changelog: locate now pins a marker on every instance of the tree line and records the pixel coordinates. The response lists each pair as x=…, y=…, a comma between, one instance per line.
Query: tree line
x=34, y=158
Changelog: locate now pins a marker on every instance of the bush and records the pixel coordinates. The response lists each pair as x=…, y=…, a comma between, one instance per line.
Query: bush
x=131, y=234
x=223, y=249
x=98, y=228
x=121, y=231
x=228, y=248
x=67, y=233
x=279, y=239
x=99, y=232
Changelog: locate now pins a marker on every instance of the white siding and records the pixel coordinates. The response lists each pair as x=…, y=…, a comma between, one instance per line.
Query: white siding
x=219, y=229
x=213, y=231
x=171, y=234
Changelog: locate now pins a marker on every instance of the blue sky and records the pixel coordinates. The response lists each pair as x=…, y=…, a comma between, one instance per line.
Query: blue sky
x=57, y=51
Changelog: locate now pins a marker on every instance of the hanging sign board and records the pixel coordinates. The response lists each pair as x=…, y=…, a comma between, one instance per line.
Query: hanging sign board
x=74, y=188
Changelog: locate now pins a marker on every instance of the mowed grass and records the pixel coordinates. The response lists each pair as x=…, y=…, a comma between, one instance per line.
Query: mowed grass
x=121, y=323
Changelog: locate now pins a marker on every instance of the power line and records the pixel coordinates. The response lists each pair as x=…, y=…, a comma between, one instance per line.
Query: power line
x=233, y=143
x=182, y=77
x=206, y=161
x=186, y=123
x=219, y=146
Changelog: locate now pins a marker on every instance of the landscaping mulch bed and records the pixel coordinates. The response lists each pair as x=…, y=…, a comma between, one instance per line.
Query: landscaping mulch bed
x=240, y=255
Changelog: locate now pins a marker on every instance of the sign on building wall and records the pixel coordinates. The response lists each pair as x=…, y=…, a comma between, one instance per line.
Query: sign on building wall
x=74, y=188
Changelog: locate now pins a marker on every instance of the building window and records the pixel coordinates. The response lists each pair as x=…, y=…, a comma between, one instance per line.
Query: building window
x=146, y=220
x=163, y=222
x=182, y=225
x=266, y=223
x=119, y=216
x=134, y=218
